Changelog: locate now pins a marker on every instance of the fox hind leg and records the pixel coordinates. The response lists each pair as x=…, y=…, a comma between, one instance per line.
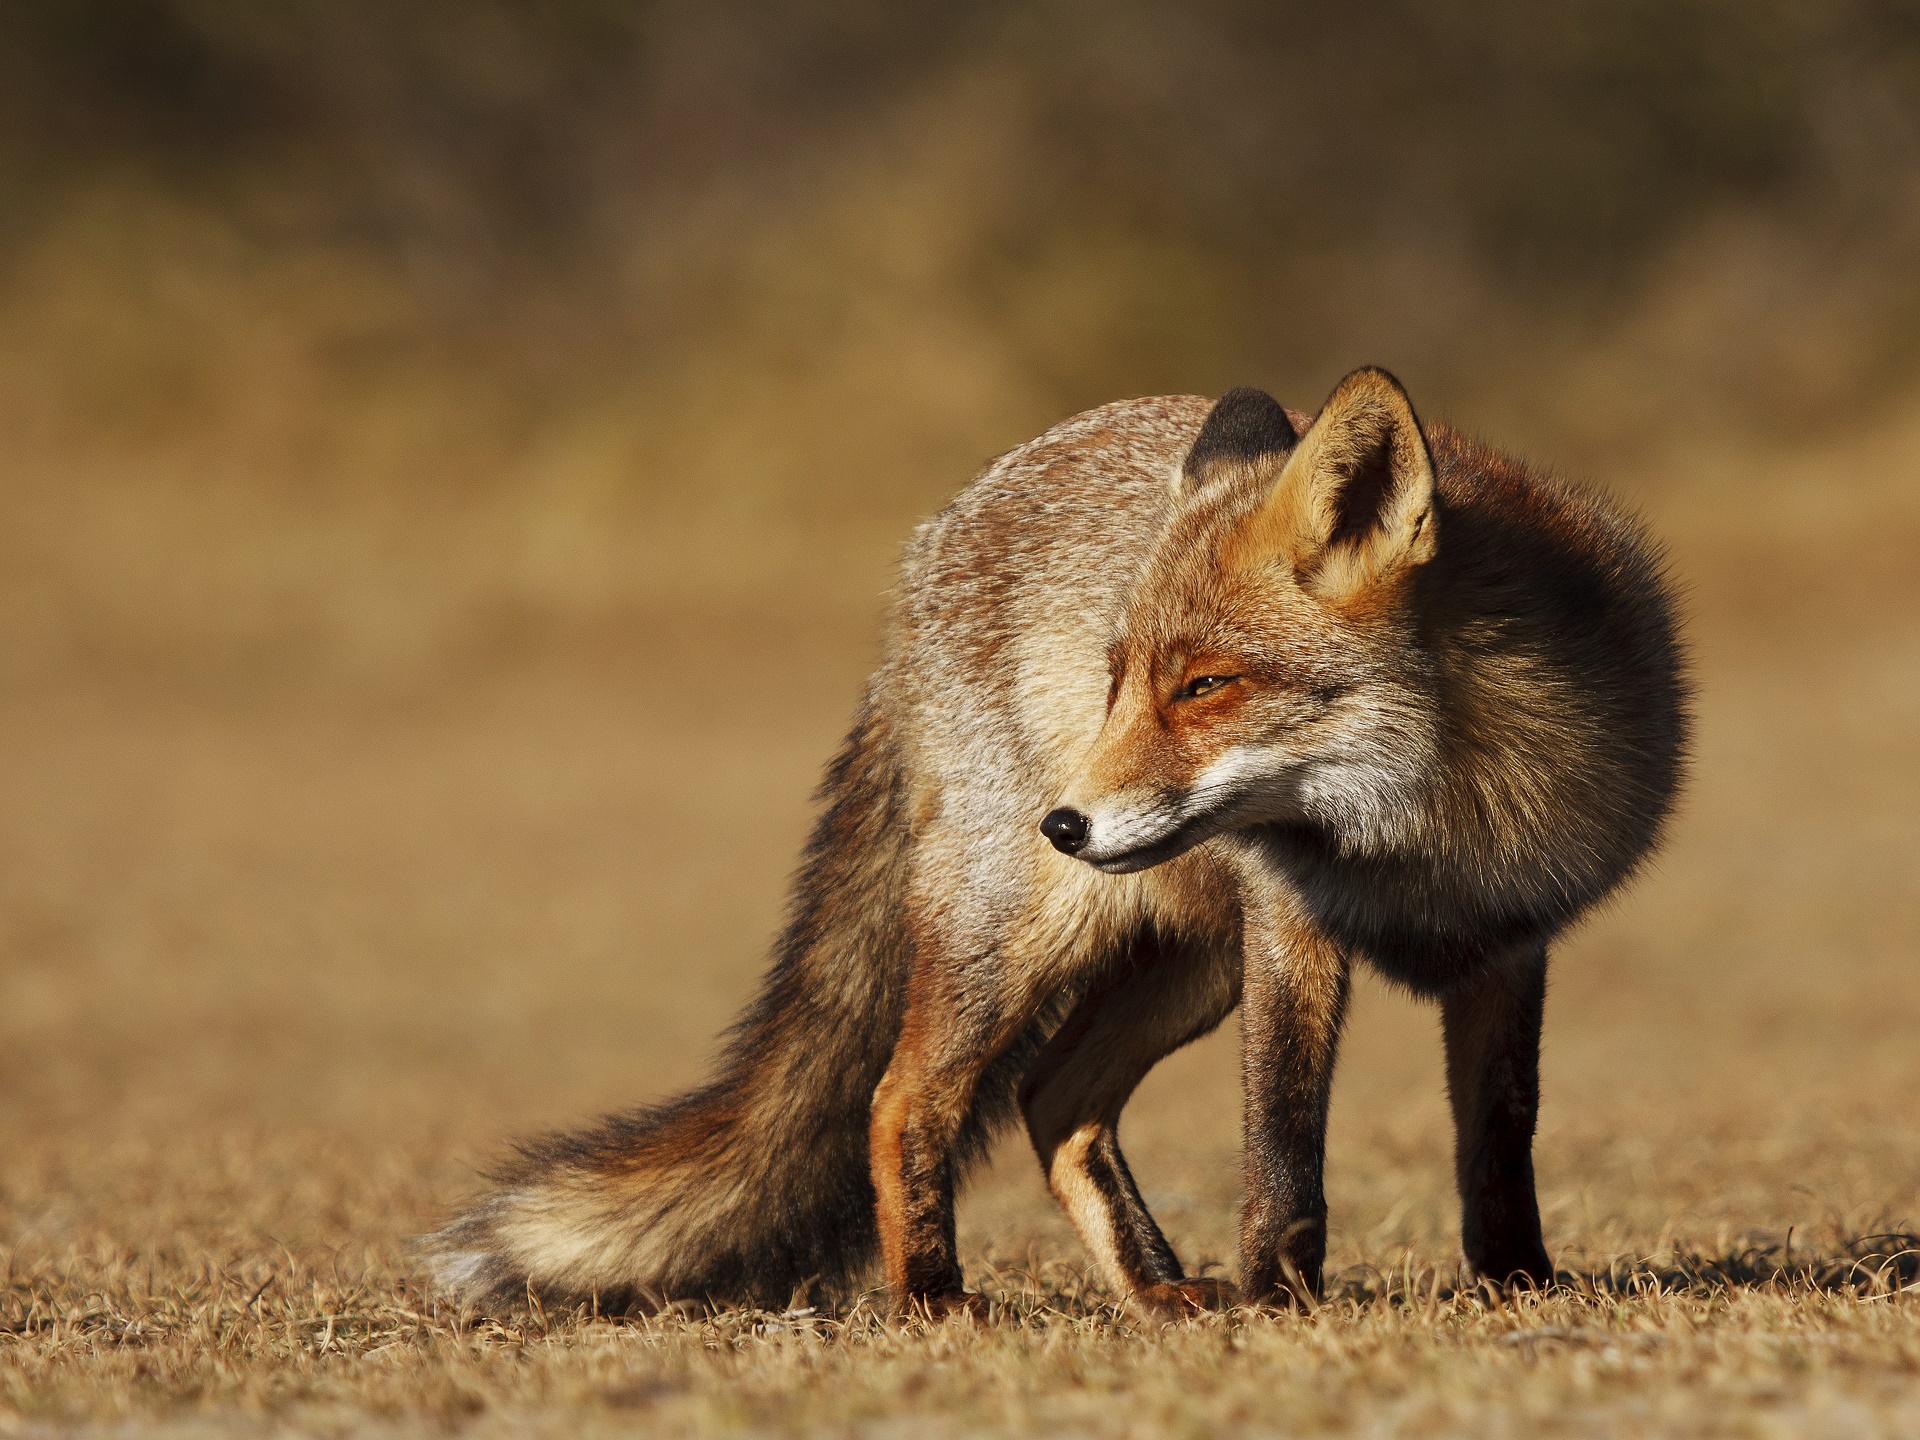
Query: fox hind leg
x=962, y=1020
x=1492, y=1027
x=1160, y=997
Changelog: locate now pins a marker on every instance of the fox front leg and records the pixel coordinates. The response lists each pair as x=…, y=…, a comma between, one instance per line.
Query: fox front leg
x=1492, y=1026
x=1158, y=995
x=1295, y=999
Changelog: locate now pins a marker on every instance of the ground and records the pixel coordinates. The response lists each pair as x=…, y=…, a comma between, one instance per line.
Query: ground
x=286, y=954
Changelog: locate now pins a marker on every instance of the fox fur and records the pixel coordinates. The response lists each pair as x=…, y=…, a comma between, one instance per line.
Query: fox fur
x=1185, y=705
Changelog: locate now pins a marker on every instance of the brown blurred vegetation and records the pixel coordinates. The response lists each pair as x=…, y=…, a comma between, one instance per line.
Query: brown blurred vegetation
x=342, y=333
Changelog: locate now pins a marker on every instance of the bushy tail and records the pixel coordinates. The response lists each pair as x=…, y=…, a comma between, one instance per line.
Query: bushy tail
x=757, y=1184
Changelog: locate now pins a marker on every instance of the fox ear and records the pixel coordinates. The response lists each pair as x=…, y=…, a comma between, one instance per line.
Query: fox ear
x=1355, y=501
x=1245, y=427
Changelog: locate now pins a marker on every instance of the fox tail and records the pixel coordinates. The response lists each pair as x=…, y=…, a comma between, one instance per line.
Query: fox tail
x=755, y=1186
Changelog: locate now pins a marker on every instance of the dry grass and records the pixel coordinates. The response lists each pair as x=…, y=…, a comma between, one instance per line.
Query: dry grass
x=284, y=951
x=1711, y=1346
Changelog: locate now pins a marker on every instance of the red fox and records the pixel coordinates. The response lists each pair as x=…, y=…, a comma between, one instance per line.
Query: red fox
x=1184, y=706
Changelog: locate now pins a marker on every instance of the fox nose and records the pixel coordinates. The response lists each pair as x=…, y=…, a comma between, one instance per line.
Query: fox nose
x=1067, y=829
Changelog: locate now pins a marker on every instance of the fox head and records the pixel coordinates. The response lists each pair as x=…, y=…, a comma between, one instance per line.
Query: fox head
x=1268, y=665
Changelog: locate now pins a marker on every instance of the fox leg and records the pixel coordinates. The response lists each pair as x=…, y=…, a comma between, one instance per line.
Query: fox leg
x=1296, y=983
x=1492, y=1026
x=1163, y=997
x=951, y=1033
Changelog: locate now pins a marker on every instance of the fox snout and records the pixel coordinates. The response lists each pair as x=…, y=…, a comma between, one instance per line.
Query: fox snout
x=1118, y=837
x=1066, y=828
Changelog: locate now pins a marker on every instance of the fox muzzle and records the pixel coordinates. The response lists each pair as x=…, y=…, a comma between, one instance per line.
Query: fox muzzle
x=1066, y=828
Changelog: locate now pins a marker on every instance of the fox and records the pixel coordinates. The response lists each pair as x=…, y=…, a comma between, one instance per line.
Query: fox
x=1186, y=705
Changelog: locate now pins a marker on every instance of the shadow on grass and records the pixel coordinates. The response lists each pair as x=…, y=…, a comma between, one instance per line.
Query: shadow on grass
x=1042, y=1292
x=1039, y=1294
x=1865, y=1266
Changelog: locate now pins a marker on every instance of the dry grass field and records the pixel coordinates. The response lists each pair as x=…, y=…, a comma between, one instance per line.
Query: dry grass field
x=288, y=951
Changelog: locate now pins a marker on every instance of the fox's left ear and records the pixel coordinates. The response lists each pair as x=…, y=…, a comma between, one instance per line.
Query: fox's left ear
x=1355, y=501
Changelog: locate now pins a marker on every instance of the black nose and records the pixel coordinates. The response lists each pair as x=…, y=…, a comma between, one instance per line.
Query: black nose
x=1067, y=829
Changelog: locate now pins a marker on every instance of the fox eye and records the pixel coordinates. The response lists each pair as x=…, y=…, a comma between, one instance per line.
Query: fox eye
x=1204, y=684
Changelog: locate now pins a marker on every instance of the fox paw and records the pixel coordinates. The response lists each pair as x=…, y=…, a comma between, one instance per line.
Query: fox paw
x=935, y=1308
x=1511, y=1274
x=1178, y=1299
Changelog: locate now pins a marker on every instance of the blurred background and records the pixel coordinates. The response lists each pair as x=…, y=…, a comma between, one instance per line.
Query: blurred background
x=454, y=455
x=351, y=334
